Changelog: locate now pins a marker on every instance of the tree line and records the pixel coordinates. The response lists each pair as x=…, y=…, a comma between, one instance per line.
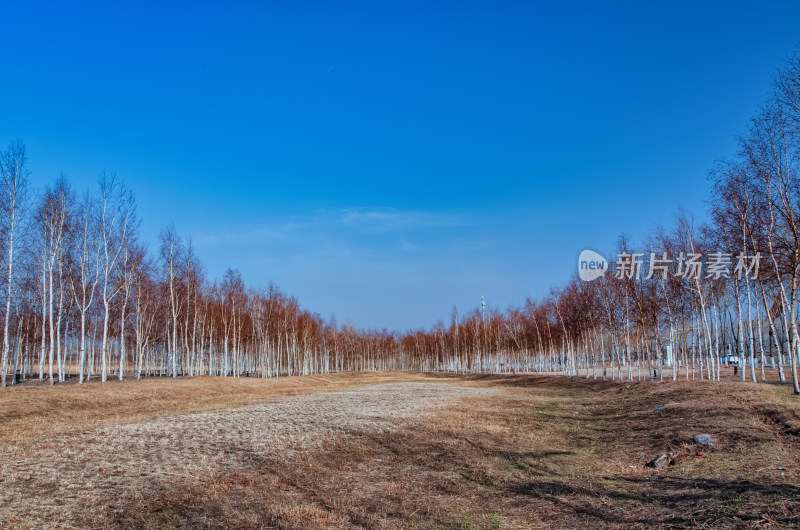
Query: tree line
x=686, y=316
x=86, y=298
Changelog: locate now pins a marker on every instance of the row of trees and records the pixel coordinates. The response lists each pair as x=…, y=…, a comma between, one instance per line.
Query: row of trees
x=677, y=314
x=85, y=298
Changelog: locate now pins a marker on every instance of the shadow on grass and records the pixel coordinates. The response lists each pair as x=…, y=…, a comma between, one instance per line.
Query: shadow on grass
x=673, y=501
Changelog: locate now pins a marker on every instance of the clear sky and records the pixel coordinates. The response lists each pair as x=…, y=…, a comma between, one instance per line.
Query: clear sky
x=384, y=161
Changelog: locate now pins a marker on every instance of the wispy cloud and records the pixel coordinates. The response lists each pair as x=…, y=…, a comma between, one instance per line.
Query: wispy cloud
x=368, y=263
x=346, y=223
x=388, y=219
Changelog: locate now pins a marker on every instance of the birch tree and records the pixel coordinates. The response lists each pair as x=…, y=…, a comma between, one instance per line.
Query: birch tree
x=13, y=180
x=117, y=210
x=171, y=258
x=86, y=273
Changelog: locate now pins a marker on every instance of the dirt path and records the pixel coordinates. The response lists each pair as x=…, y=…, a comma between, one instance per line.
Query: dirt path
x=84, y=476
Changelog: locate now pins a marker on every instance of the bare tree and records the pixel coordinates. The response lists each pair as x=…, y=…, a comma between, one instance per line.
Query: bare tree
x=171, y=257
x=13, y=178
x=116, y=216
x=84, y=278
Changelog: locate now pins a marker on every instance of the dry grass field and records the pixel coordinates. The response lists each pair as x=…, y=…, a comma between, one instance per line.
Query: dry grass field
x=393, y=450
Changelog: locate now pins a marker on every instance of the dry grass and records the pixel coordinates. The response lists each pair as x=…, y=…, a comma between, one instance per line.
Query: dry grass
x=536, y=452
x=31, y=412
x=543, y=452
x=60, y=477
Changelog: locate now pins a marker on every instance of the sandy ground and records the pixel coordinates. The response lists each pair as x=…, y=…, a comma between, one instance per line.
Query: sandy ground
x=92, y=472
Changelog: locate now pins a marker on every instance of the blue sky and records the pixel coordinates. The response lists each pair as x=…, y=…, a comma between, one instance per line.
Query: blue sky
x=386, y=161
